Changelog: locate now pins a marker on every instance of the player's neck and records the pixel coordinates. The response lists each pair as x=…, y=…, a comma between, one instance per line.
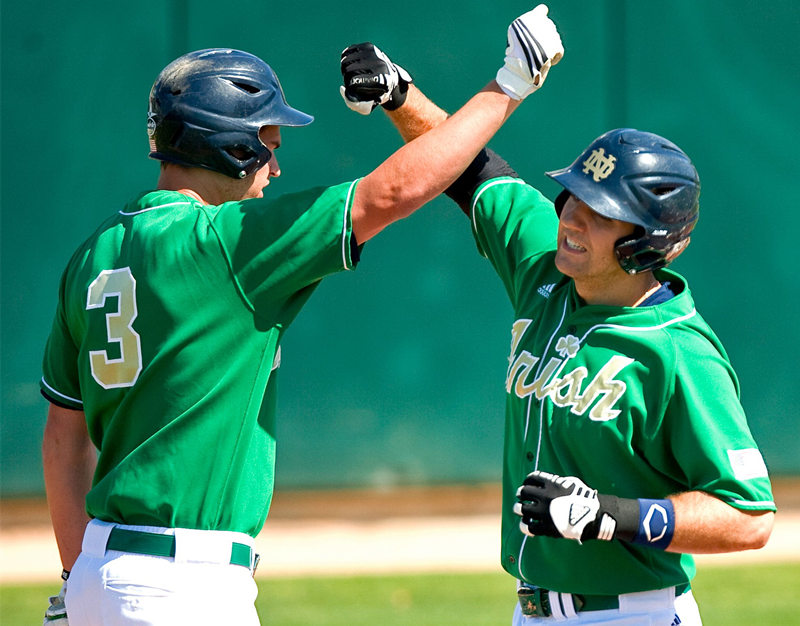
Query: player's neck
x=201, y=184
x=630, y=290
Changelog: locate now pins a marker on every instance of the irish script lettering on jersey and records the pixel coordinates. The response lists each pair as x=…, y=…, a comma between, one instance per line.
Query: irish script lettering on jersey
x=527, y=376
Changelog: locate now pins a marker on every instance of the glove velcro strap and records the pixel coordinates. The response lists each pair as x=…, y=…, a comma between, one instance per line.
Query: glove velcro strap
x=399, y=93
x=398, y=97
x=618, y=518
x=514, y=85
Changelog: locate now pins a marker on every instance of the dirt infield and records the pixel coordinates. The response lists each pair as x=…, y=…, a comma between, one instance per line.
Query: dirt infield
x=363, y=531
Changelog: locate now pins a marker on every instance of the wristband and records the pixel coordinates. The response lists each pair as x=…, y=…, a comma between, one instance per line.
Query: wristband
x=656, y=523
x=644, y=521
x=64, y=574
x=398, y=97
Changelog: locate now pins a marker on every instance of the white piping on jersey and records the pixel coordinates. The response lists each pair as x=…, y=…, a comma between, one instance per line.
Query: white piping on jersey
x=59, y=394
x=538, y=373
x=541, y=419
x=519, y=557
x=515, y=181
x=347, y=210
x=640, y=329
x=757, y=503
x=153, y=208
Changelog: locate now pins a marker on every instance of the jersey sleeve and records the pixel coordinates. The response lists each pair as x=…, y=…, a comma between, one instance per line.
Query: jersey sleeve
x=485, y=166
x=708, y=435
x=60, y=383
x=277, y=248
x=514, y=225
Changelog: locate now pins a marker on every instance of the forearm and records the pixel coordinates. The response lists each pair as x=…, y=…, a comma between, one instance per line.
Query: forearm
x=425, y=167
x=428, y=165
x=420, y=115
x=417, y=116
x=69, y=461
x=439, y=147
x=706, y=525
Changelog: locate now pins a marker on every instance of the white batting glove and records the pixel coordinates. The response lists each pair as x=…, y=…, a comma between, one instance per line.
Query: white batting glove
x=56, y=614
x=534, y=46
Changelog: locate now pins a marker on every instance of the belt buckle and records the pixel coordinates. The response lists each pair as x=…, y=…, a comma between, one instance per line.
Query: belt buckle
x=534, y=601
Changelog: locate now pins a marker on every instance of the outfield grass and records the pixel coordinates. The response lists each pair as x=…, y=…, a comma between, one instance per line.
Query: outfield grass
x=728, y=596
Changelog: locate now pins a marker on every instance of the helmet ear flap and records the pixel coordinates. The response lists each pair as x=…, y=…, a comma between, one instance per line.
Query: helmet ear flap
x=636, y=253
x=560, y=201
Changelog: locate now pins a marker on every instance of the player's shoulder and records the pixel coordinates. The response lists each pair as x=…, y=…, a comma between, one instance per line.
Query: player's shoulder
x=293, y=202
x=680, y=316
x=508, y=188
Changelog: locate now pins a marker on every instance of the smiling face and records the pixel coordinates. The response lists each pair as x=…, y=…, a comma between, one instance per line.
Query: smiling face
x=585, y=253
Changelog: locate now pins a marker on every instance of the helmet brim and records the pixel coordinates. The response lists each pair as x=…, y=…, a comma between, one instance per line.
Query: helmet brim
x=585, y=190
x=288, y=116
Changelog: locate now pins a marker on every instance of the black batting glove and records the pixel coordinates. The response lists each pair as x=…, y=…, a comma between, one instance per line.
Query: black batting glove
x=371, y=79
x=564, y=506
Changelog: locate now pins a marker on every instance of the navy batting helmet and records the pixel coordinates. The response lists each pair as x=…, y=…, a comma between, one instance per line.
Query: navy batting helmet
x=641, y=178
x=207, y=107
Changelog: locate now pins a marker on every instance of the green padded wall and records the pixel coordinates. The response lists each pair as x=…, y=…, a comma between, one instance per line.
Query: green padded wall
x=394, y=373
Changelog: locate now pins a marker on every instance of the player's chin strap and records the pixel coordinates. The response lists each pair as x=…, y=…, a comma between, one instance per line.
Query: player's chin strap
x=563, y=506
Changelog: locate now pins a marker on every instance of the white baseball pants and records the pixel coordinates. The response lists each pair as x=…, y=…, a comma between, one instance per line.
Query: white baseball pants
x=197, y=586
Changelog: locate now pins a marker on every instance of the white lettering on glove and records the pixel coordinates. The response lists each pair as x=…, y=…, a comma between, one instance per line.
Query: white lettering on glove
x=534, y=46
x=388, y=80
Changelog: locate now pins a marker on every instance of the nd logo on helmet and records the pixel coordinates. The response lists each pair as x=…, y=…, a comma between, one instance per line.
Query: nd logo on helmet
x=599, y=164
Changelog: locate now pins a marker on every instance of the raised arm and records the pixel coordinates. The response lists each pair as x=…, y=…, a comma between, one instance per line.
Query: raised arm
x=425, y=167
x=417, y=116
x=441, y=147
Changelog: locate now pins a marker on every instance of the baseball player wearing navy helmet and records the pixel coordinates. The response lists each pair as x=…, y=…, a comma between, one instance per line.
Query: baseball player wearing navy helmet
x=626, y=445
x=160, y=367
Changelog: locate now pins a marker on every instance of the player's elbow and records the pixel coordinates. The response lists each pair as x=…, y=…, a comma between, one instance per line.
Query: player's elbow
x=378, y=205
x=751, y=532
x=762, y=529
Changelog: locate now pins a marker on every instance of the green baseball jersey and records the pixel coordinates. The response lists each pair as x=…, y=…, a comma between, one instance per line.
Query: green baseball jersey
x=167, y=336
x=636, y=402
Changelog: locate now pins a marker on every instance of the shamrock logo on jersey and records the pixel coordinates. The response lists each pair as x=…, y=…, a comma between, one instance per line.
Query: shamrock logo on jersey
x=568, y=346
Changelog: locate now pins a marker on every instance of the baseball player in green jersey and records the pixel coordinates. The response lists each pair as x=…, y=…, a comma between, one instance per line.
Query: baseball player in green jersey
x=626, y=445
x=160, y=368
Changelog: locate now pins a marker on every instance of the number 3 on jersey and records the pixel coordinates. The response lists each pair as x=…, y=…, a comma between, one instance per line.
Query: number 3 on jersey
x=111, y=373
